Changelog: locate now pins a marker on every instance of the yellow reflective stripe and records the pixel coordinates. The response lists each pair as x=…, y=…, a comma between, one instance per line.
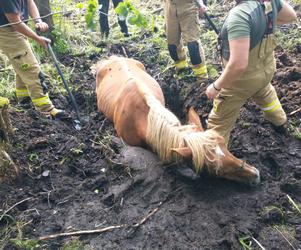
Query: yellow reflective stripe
x=200, y=71
x=38, y=102
x=273, y=109
x=214, y=106
x=181, y=64
x=275, y=104
x=22, y=92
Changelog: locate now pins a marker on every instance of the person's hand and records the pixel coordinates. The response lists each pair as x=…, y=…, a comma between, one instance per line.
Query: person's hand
x=202, y=9
x=43, y=41
x=41, y=26
x=212, y=91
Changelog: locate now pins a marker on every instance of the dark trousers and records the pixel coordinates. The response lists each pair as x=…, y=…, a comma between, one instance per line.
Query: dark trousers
x=103, y=18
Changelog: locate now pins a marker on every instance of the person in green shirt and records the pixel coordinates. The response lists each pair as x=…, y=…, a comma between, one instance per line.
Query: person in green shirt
x=248, y=44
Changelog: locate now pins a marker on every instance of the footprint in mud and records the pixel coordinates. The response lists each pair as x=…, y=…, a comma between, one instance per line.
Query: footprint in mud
x=271, y=163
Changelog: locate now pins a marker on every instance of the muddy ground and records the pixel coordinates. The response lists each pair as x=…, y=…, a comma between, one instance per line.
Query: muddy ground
x=87, y=179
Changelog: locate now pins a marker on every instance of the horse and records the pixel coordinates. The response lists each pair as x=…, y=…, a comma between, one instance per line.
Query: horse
x=129, y=97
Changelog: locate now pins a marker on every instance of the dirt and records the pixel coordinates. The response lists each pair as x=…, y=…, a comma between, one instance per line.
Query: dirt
x=88, y=179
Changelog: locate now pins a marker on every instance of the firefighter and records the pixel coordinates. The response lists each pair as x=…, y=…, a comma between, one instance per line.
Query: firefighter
x=14, y=44
x=182, y=26
x=248, y=44
x=103, y=18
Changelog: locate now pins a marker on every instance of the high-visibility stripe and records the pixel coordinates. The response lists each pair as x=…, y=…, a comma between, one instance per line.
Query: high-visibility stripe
x=272, y=106
x=273, y=109
x=41, y=101
x=22, y=92
x=181, y=64
x=200, y=71
x=215, y=106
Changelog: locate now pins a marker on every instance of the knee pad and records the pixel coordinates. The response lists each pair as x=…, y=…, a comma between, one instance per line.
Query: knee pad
x=194, y=53
x=173, y=52
x=43, y=84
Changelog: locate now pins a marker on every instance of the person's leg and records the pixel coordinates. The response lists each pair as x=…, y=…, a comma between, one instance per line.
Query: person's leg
x=226, y=108
x=173, y=33
x=20, y=55
x=103, y=17
x=269, y=103
x=122, y=23
x=190, y=27
x=21, y=90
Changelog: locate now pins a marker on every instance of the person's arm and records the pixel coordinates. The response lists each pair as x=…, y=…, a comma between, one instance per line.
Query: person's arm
x=24, y=29
x=286, y=15
x=34, y=13
x=238, y=63
x=202, y=6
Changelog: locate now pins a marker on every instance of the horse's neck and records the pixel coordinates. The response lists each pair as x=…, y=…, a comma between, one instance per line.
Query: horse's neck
x=164, y=131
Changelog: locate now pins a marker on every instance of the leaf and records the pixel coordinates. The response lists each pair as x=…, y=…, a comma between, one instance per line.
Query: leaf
x=90, y=15
x=126, y=10
x=79, y=6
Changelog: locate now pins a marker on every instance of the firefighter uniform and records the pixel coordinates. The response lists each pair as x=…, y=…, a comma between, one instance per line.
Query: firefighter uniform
x=182, y=26
x=28, y=77
x=255, y=82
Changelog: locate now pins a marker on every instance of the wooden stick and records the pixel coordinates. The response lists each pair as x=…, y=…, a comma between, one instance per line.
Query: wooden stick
x=148, y=216
x=18, y=203
x=285, y=238
x=101, y=230
x=295, y=111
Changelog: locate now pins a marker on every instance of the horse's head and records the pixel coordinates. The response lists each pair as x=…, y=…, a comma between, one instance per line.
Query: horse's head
x=219, y=160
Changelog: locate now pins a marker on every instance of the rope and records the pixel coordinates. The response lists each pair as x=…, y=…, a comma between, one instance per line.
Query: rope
x=50, y=14
x=33, y=19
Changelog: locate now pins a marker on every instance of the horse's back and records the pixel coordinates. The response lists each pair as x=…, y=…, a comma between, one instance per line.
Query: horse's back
x=120, y=99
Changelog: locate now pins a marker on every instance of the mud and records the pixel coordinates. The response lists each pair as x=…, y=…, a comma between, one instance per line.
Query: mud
x=88, y=179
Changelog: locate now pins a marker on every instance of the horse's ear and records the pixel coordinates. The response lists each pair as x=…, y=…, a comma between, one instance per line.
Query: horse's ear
x=184, y=152
x=194, y=118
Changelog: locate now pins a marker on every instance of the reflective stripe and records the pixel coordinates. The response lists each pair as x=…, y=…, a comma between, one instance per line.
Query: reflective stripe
x=200, y=70
x=181, y=64
x=22, y=92
x=271, y=107
x=41, y=101
x=215, y=106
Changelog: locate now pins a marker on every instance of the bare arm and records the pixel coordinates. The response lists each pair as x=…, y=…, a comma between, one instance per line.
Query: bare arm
x=286, y=15
x=24, y=29
x=34, y=13
x=33, y=10
x=238, y=63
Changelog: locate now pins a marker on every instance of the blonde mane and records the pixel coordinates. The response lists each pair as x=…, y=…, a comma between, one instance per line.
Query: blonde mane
x=164, y=132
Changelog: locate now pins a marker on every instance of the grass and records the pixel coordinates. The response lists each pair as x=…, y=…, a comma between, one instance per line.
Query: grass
x=294, y=204
x=245, y=242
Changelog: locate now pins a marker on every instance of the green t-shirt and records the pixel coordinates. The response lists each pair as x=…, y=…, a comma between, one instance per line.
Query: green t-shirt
x=247, y=19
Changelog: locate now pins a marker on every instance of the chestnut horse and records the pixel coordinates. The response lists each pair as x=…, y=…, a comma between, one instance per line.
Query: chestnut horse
x=134, y=102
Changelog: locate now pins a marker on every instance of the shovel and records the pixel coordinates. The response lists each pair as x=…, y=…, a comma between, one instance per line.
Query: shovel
x=73, y=102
